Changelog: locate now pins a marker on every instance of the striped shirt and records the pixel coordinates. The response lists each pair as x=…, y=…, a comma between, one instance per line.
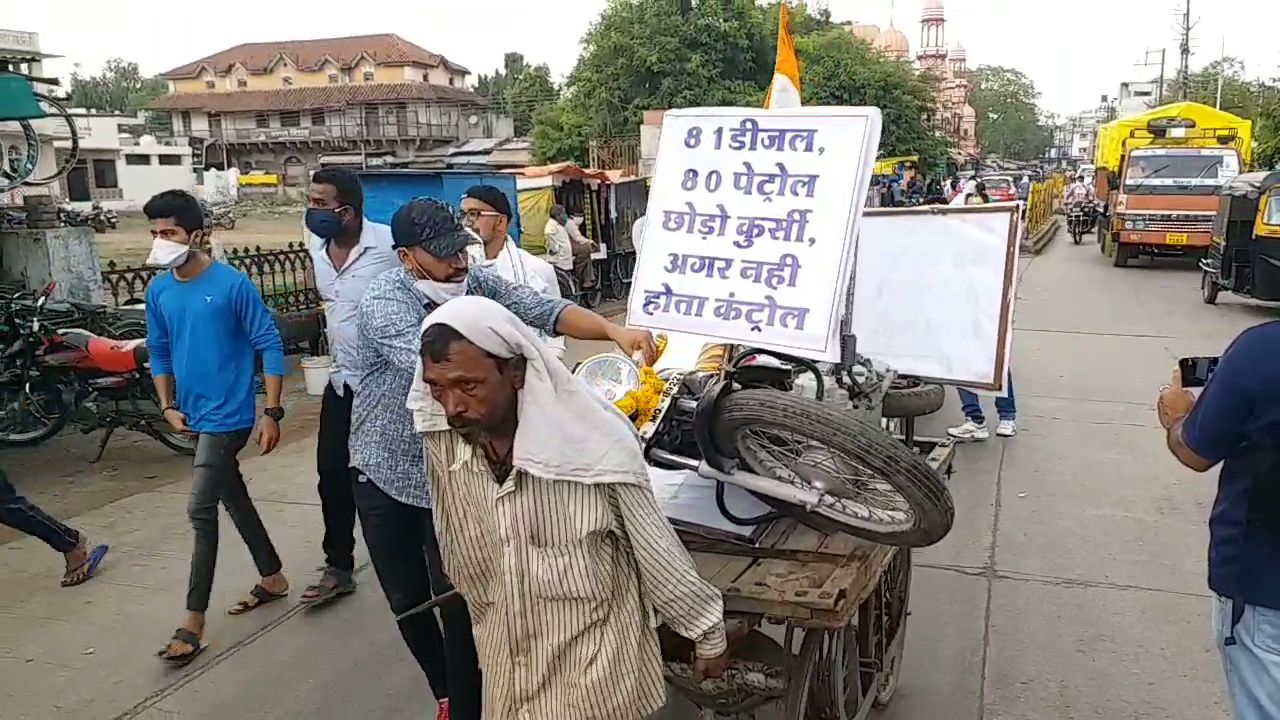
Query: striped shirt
x=565, y=582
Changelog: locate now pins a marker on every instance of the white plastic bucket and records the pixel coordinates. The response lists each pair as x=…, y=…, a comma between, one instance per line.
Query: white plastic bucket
x=315, y=371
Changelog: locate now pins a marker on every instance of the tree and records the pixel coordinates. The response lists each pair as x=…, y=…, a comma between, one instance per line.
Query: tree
x=839, y=69
x=119, y=88
x=520, y=90
x=1239, y=94
x=647, y=54
x=1005, y=101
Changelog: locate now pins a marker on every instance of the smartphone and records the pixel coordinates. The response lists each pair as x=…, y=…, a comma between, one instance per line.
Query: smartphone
x=1196, y=371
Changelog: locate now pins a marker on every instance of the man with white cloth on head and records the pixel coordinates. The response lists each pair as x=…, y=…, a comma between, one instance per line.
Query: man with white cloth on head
x=549, y=528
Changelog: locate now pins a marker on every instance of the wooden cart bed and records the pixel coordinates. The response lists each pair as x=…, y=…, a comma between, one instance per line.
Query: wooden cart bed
x=799, y=574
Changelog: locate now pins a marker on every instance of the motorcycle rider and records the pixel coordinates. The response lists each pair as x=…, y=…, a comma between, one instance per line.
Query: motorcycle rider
x=1078, y=191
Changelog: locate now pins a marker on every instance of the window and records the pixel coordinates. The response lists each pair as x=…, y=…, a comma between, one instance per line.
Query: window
x=104, y=174
x=368, y=76
x=135, y=159
x=242, y=83
x=169, y=159
x=290, y=119
x=261, y=120
x=317, y=117
x=287, y=80
x=425, y=78
x=184, y=122
x=209, y=85
x=452, y=80
x=333, y=78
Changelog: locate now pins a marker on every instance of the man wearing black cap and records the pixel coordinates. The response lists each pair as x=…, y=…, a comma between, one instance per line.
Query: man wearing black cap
x=391, y=491
x=487, y=212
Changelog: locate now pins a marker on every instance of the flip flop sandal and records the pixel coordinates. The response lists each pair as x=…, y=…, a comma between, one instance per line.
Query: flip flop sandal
x=86, y=570
x=261, y=595
x=183, y=635
x=322, y=594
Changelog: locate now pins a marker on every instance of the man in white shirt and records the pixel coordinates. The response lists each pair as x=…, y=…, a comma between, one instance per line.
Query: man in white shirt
x=486, y=211
x=637, y=233
x=559, y=246
x=583, y=247
x=347, y=251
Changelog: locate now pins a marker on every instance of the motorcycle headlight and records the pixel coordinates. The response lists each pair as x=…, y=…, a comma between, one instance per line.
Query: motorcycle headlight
x=609, y=375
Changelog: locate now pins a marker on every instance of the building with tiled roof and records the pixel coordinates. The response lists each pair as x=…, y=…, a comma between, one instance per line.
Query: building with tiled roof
x=277, y=106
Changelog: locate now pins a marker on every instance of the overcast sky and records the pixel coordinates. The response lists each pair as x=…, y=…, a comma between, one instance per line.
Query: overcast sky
x=1075, y=51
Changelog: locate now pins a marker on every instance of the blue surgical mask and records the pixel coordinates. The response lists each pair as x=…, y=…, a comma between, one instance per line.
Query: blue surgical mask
x=324, y=223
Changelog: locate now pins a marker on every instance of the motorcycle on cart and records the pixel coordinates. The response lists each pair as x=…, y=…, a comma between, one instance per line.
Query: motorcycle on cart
x=830, y=559
x=49, y=378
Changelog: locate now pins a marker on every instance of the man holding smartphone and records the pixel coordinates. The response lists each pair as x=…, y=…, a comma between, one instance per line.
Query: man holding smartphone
x=1236, y=422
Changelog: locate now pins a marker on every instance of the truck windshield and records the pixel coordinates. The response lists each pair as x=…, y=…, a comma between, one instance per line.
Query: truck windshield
x=1186, y=172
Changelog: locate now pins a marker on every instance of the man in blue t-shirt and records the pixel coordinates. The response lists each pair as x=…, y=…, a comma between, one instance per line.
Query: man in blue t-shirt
x=206, y=323
x=1236, y=421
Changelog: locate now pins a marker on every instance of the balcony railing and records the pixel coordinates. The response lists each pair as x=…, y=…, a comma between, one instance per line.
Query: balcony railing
x=340, y=132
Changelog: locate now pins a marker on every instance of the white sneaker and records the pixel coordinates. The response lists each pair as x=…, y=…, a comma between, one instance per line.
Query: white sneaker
x=1007, y=428
x=970, y=430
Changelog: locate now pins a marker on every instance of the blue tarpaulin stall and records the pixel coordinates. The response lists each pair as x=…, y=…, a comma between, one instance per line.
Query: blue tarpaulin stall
x=386, y=190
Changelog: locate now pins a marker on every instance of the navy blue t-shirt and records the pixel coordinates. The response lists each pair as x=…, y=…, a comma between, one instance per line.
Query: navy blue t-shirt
x=1236, y=420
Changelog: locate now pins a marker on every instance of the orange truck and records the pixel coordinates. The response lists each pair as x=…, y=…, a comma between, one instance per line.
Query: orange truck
x=1159, y=173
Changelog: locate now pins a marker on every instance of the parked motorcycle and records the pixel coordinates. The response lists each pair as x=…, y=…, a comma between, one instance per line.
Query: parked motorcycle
x=51, y=378
x=1080, y=219
x=102, y=219
x=813, y=458
x=70, y=217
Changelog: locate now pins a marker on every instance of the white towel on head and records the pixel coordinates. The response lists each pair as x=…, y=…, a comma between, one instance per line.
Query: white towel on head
x=566, y=431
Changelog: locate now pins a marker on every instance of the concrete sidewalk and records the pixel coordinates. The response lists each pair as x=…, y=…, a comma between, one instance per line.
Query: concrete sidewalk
x=88, y=652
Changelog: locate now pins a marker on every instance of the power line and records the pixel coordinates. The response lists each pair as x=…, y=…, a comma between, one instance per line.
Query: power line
x=1185, y=26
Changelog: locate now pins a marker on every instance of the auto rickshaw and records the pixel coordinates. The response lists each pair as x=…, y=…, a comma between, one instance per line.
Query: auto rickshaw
x=1244, y=254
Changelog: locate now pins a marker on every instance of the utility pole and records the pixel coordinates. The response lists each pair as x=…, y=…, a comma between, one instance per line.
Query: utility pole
x=1222, y=72
x=1184, y=49
x=1146, y=62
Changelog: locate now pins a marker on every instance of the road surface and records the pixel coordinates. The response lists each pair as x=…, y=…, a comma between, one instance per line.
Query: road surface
x=1071, y=587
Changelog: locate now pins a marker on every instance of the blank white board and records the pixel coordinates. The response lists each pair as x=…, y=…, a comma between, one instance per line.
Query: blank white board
x=933, y=291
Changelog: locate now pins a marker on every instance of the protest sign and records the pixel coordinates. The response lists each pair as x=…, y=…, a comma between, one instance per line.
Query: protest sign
x=750, y=225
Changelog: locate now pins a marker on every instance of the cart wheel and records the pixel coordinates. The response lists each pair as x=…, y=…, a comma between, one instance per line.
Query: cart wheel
x=613, y=284
x=1208, y=288
x=895, y=596
x=801, y=680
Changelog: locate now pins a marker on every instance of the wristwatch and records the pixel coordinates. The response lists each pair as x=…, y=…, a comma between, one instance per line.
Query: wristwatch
x=275, y=413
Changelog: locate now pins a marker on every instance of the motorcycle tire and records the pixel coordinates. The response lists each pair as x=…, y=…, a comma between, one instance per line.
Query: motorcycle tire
x=181, y=443
x=909, y=397
x=929, y=510
x=127, y=330
x=56, y=409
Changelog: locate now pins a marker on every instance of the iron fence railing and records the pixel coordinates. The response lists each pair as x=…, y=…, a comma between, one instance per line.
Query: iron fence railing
x=282, y=275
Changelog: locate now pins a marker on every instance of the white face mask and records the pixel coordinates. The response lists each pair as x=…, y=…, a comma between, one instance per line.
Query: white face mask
x=167, y=253
x=441, y=292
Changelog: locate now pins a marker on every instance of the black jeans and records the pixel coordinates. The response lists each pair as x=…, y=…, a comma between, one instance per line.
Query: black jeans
x=333, y=464
x=20, y=514
x=402, y=544
x=218, y=478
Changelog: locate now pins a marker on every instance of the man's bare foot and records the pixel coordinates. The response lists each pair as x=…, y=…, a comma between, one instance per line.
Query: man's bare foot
x=185, y=643
x=268, y=590
x=82, y=562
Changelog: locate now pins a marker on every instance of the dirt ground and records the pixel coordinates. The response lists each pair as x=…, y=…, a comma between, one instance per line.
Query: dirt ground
x=129, y=244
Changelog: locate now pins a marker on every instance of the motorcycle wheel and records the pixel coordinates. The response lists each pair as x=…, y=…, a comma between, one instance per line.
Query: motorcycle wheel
x=909, y=397
x=181, y=443
x=1076, y=234
x=874, y=487
x=31, y=417
x=127, y=330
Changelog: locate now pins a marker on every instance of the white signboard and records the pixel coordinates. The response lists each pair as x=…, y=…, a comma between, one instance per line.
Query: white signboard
x=933, y=291
x=749, y=230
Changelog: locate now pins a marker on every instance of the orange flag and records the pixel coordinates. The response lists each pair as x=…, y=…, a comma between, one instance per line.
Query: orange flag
x=784, y=91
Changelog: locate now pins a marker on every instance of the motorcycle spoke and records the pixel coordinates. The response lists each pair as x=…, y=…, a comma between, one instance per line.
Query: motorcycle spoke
x=847, y=488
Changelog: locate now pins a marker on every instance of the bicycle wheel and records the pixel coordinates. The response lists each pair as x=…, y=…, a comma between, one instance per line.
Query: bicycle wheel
x=73, y=151
x=18, y=161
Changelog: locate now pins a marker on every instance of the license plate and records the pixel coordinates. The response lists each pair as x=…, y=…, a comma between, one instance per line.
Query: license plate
x=1176, y=238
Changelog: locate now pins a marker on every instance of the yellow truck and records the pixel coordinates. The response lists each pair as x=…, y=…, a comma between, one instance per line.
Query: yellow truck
x=1158, y=173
